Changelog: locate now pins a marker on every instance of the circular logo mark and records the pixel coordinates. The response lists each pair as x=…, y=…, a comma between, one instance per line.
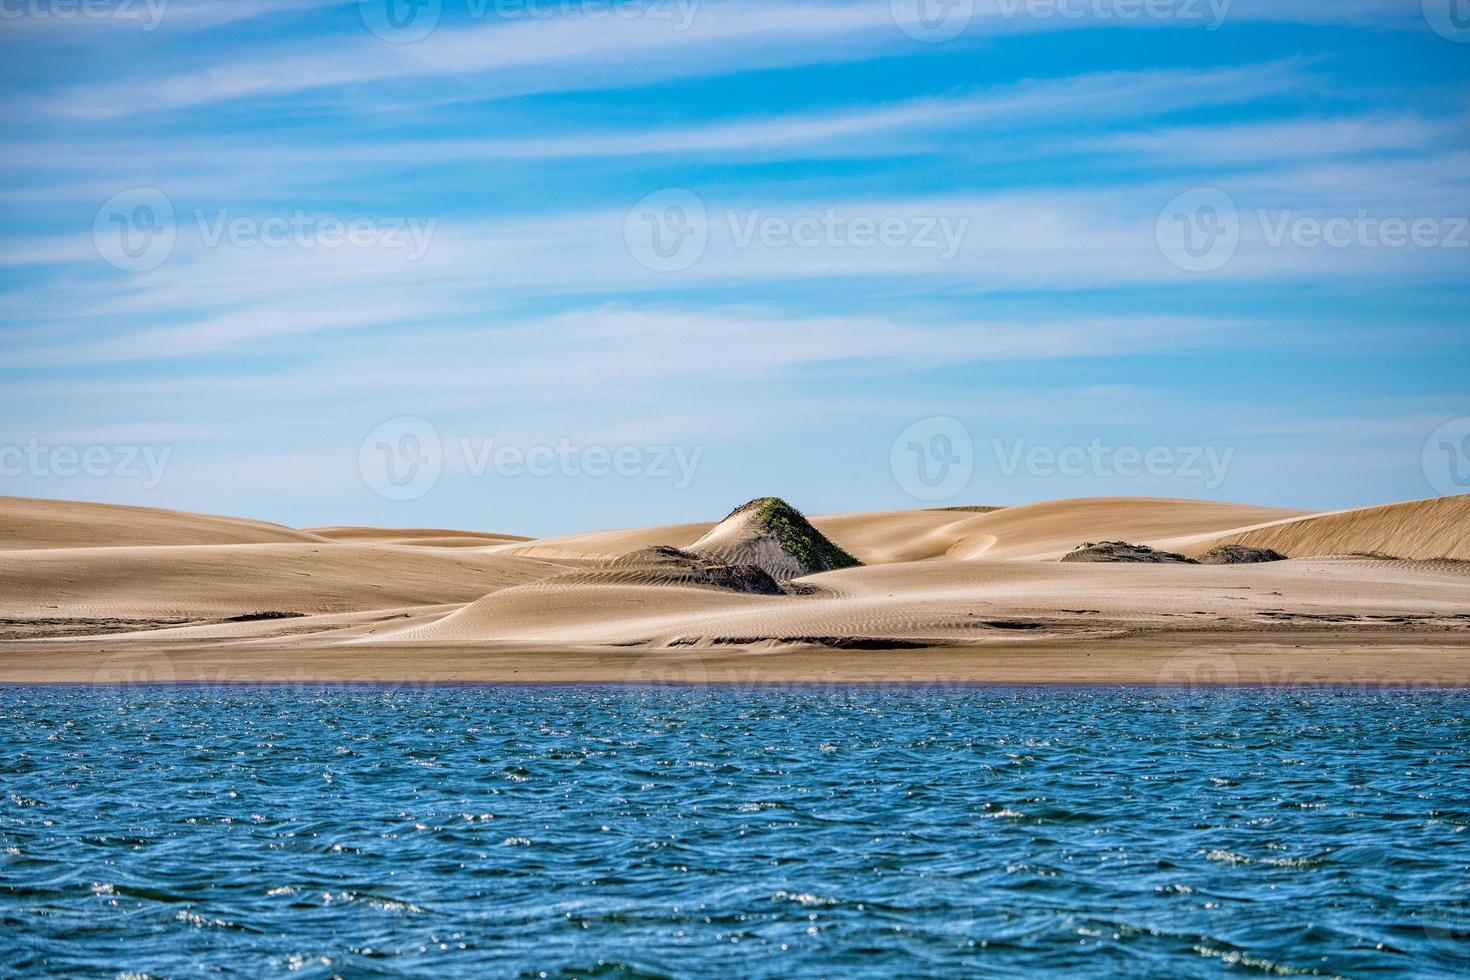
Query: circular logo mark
x=1199, y=672
x=1450, y=932
x=400, y=21
x=1449, y=18
x=932, y=21
x=135, y=230
x=668, y=668
x=1199, y=231
x=933, y=459
x=135, y=668
x=668, y=230
x=944, y=911
x=401, y=459
x=1446, y=458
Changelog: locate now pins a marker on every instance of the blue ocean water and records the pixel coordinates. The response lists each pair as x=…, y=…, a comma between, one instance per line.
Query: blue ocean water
x=498, y=831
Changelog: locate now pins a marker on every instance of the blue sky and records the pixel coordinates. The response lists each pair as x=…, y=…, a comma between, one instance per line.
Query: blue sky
x=864, y=255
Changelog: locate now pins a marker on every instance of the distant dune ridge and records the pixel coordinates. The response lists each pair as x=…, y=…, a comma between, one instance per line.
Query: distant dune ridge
x=79, y=582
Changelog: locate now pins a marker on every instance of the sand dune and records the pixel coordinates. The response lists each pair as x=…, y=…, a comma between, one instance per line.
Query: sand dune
x=1438, y=528
x=960, y=601
x=775, y=537
x=1041, y=532
x=226, y=580
x=26, y=523
x=934, y=581
x=419, y=537
x=873, y=537
x=1033, y=532
x=607, y=545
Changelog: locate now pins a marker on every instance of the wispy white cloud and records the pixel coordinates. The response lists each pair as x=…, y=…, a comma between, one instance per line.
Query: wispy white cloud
x=111, y=16
x=509, y=57
x=1287, y=139
x=496, y=58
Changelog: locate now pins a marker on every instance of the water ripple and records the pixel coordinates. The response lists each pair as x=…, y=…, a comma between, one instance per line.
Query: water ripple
x=610, y=832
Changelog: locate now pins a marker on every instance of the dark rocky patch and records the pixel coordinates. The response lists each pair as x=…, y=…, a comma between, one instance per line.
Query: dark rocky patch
x=1122, y=551
x=1237, y=554
x=255, y=617
x=831, y=642
x=701, y=570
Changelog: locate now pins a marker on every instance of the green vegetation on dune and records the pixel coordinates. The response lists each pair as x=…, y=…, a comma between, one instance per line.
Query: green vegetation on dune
x=795, y=534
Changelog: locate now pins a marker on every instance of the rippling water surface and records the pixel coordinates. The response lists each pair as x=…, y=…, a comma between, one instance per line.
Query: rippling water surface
x=615, y=832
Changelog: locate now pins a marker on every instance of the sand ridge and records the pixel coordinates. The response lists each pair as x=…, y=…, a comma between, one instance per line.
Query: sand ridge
x=935, y=582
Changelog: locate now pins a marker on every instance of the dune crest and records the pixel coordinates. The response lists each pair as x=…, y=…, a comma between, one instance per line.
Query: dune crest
x=27, y=523
x=957, y=585
x=772, y=535
x=1435, y=528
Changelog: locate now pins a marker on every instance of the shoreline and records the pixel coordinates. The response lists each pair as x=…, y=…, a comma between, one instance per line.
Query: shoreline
x=1377, y=659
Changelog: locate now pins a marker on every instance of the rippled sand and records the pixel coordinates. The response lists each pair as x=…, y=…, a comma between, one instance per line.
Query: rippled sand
x=115, y=595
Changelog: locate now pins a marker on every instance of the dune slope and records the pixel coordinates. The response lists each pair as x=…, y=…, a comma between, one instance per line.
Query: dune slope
x=1047, y=531
x=26, y=523
x=226, y=580
x=1437, y=528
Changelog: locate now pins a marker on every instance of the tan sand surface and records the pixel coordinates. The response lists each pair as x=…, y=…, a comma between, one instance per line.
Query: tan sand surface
x=226, y=580
x=1050, y=530
x=947, y=596
x=1438, y=528
x=26, y=523
x=425, y=537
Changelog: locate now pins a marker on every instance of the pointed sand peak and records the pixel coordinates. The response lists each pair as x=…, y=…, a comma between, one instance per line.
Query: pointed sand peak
x=773, y=535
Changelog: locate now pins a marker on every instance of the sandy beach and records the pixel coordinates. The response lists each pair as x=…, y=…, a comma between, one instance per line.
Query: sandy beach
x=1374, y=597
